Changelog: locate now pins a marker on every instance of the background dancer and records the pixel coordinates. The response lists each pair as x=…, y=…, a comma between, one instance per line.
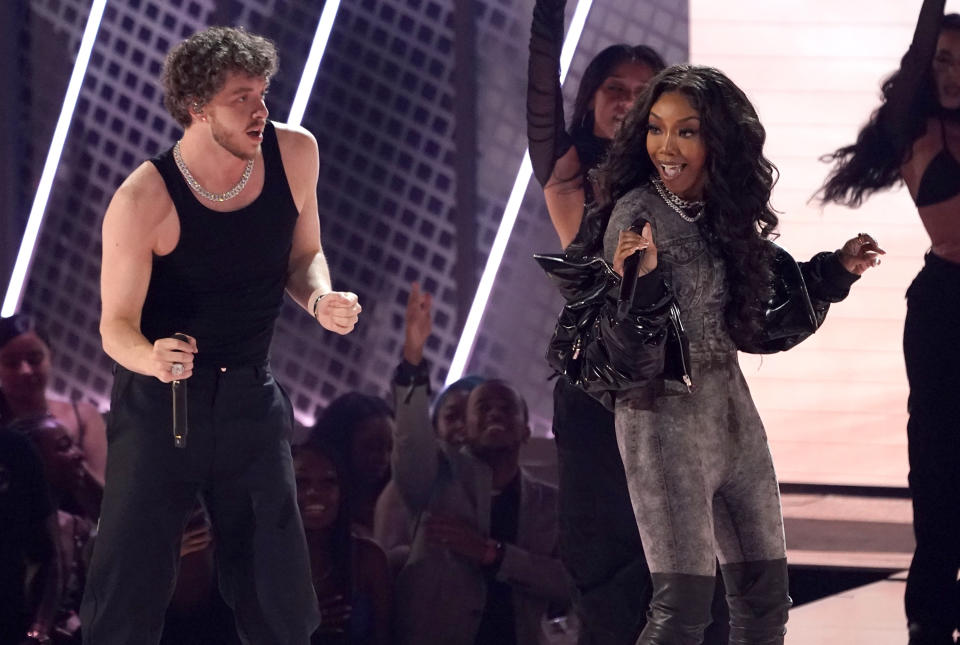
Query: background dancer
x=914, y=137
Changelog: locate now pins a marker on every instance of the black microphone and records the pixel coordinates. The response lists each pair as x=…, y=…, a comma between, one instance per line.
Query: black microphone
x=630, y=267
x=178, y=391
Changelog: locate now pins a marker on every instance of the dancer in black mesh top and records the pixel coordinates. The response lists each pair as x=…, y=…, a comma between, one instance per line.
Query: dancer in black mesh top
x=203, y=241
x=914, y=138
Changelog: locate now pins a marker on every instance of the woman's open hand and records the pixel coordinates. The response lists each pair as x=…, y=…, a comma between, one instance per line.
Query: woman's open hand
x=860, y=253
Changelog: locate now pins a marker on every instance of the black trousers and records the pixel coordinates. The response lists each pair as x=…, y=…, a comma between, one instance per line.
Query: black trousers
x=599, y=541
x=931, y=348
x=237, y=458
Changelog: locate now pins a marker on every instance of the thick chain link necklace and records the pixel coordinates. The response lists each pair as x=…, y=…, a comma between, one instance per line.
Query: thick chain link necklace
x=203, y=192
x=681, y=206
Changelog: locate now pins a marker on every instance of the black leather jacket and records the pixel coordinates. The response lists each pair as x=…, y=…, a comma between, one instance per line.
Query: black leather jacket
x=602, y=353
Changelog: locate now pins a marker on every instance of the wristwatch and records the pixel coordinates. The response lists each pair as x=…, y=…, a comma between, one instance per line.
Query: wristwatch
x=407, y=374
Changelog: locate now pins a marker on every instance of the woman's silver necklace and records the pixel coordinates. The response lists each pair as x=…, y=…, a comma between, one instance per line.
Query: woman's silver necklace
x=203, y=192
x=681, y=206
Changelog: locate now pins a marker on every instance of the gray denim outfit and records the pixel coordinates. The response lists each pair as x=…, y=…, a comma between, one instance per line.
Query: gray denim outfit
x=698, y=465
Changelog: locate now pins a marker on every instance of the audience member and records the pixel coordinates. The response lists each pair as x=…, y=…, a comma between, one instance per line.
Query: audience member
x=24, y=376
x=360, y=428
x=392, y=522
x=483, y=564
x=27, y=544
x=67, y=482
x=350, y=573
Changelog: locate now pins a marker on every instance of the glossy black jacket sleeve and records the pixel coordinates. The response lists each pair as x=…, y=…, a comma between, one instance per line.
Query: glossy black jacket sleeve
x=904, y=93
x=546, y=131
x=802, y=296
x=594, y=348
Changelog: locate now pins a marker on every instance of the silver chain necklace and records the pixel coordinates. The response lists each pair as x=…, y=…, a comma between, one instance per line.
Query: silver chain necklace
x=678, y=204
x=203, y=192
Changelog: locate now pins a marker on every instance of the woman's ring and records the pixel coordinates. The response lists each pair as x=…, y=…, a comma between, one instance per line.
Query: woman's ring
x=176, y=370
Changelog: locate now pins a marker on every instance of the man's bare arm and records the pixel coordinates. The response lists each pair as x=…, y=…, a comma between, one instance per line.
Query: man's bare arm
x=133, y=228
x=308, y=277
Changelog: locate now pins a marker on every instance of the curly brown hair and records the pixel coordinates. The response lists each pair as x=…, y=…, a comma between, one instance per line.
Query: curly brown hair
x=196, y=69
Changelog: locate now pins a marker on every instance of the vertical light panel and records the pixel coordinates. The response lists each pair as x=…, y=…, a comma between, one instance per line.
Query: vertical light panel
x=310, y=68
x=21, y=267
x=834, y=407
x=469, y=335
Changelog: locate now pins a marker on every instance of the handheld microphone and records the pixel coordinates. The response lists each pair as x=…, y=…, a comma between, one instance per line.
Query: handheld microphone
x=630, y=267
x=178, y=390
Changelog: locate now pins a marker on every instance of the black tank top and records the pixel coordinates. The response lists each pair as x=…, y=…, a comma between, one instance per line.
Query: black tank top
x=223, y=283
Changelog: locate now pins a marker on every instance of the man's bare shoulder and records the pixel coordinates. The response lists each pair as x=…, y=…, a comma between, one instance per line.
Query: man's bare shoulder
x=143, y=194
x=294, y=135
x=296, y=143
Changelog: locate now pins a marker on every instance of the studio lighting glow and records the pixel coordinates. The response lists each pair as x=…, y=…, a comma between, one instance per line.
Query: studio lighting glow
x=472, y=325
x=310, y=68
x=21, y=268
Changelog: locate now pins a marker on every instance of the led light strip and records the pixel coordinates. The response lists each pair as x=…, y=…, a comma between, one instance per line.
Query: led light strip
x=21, y=267
x=472, y=325
x=310, y=68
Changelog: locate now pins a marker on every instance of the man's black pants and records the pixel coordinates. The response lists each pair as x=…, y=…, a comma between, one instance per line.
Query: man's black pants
x=237, y=458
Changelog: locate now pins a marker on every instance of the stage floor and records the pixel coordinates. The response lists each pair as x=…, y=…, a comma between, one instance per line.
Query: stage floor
x=868, y=615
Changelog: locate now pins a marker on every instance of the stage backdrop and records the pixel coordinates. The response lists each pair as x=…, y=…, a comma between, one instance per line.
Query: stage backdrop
x=382, y=111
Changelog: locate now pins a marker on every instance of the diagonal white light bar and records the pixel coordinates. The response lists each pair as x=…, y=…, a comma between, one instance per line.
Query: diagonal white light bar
x=21, y=268
x=472, y=325
x=310, y=68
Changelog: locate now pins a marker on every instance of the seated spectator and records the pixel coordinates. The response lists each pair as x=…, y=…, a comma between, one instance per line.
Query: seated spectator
x=67, y=480
x=24, y=376
x=483, y=564
x=360, y=427
x=350, y=573
x=197, y=613
x=392, y=523
x=28, y=539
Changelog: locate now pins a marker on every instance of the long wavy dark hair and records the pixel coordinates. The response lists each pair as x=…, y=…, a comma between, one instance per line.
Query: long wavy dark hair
x=738, y=216
x=597, y=72
x=873, y=162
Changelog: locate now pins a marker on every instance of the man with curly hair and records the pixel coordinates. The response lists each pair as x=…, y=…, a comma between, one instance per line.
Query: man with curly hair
x=199, y=245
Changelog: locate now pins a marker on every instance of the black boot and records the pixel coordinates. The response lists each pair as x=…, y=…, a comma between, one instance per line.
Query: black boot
x=679, y=611
x=757, y=594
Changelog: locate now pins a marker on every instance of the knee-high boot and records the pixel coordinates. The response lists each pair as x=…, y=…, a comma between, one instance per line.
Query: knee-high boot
x=757, y=593
x=679, y=611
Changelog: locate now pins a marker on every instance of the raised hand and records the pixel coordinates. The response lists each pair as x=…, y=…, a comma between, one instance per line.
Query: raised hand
x=860, y=253
x=418, y=324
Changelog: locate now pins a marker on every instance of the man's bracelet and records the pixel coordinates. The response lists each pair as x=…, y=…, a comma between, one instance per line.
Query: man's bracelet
x=316, y=303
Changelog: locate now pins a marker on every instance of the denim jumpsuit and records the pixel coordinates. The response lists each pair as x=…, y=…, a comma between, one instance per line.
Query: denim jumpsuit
x=698, y=466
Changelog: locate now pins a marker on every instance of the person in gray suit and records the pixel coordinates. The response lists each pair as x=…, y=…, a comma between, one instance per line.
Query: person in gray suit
x=483, y=566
